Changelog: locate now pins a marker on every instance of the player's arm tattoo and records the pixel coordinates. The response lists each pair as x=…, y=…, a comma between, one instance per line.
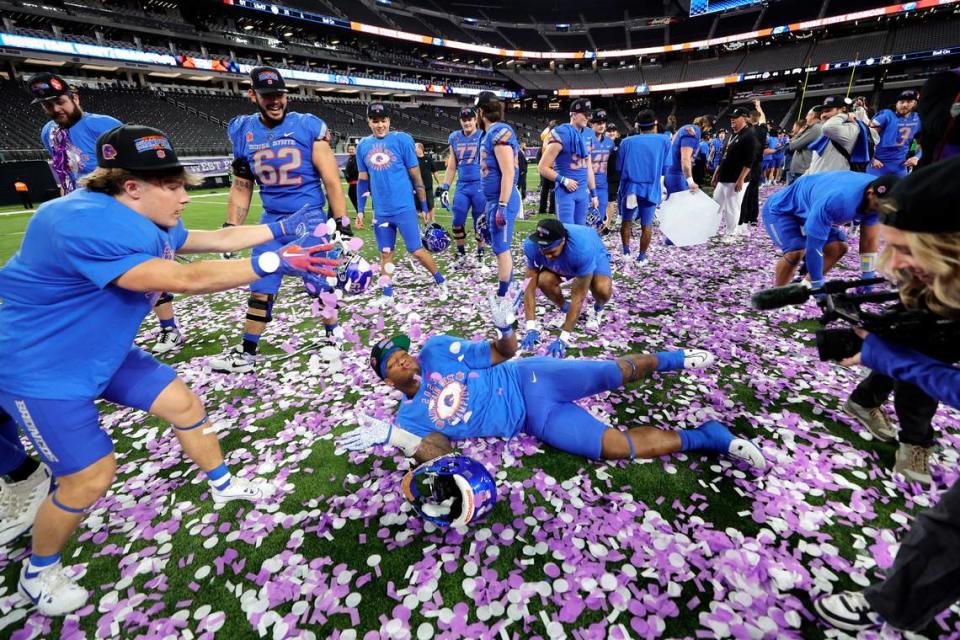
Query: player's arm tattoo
x=238, y=205
x=418, y=187
x=432, y=446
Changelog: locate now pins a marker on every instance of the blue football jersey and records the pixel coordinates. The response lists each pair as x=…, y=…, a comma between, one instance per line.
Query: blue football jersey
x=387, y=161
x=600, y=150
x=579, y=257
x=281, y=158
x=687, y=137
x=461, y=394
x=58, y=292
x=574, y=153
x=824, y=200
x=490, y=174
x=81, y=144
x=466, y=151
x=896, y=135
x=640, y=160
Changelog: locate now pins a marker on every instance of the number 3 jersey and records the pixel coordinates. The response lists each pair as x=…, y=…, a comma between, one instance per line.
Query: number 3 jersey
x=461, y=394
x=281, y=158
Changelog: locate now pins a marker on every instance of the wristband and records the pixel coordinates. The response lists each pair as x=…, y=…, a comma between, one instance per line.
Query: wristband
x=505, y=332
x=276, y=228
x=265, y=264
x=565, y=337
x=593, y=193
x=446, y=186
x=562, y=181
x=531, y=325
x=423, y=207
x=691, y=182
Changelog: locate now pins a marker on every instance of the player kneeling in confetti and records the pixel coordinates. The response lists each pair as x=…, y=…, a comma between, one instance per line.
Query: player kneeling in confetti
x=458, y=389
x=74, y=297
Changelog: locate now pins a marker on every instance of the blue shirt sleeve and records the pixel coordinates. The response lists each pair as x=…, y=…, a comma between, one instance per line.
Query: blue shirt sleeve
x=45, y=136
x=940, y=380
x=178, y=235
x=882, y=119
x=233, y=131
x=99, y=254
x=478, y=354
x=531, y=252
x=689, y=138
x=361, y=158
x=409, y=153
x=316, y=128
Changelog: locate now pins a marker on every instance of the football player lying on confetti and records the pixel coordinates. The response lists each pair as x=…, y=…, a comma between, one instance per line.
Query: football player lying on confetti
x=458, y=389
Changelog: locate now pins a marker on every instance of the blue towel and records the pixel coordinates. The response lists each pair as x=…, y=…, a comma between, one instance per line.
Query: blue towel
x=861, y=148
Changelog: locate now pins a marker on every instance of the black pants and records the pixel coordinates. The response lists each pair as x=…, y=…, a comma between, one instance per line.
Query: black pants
x=352, y=194
x=914, y=408
x=546, y=192
x=25, y=199
x=699, y=171
x=750, y=207
x=522, y=185
x=925, y=577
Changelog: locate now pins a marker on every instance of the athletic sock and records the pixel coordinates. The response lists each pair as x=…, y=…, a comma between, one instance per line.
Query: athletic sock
x=626, y=251
x=479, y=252
x=710, y=436
x=251, y=341
x=503, y=287
x=388, y=291
x=24, y=471
x=219, y=477
x=598, y=307
x=670, y=360
x=438, y=277
x=330, y=328
x=169, y=324
x=641, y=256
x=39, y=563
x=462, y=250
x=566, y=306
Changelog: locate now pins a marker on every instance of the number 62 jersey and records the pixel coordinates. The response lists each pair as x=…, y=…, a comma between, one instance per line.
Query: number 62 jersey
x=281, y=158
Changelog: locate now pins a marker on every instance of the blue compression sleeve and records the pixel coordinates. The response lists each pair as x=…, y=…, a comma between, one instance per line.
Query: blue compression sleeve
x=814, y=258
x=363, y=192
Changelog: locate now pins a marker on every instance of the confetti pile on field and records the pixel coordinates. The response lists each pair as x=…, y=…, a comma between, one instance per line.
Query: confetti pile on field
x=686, y=546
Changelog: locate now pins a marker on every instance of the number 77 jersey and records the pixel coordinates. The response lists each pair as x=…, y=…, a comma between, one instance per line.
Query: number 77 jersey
x=281, y=158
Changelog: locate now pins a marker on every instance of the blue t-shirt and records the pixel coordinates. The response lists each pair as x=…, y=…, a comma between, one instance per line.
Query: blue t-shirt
x=461, y=394
x=64, y=328
x=781, y=148
x=896, y=135
x=388, y=161
x=490, y=174
x=579, y=257
x=599, y=156
x=82, y=143
x=640, y=161
x=704, y=150
x=466, y=151
x=824, y=200
x=281, y=158
x=574, y=153
x=717, y=151
x=687, y=137
x=773, y=143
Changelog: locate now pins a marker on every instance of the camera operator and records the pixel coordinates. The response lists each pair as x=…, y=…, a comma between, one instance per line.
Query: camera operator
x=922, y=232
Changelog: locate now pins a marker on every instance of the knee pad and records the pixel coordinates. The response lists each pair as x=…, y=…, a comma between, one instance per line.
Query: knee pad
x=459, y=233
x=163, y=299
x=264, y=305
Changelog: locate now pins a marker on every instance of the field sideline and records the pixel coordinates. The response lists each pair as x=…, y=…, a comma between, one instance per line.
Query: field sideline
x=685, y=546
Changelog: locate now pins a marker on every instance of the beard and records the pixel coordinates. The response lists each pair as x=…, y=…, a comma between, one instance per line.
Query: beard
x=72, y=118
x=267, y=118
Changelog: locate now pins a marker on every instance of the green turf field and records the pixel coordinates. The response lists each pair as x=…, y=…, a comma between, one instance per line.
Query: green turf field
x=824, y=508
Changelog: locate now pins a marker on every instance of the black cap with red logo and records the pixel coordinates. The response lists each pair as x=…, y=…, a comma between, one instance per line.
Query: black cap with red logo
x=136, y=148
x=48, y=86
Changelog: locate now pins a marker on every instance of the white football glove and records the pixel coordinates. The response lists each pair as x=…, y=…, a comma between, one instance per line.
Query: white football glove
x=501, y=309
x=373, y=431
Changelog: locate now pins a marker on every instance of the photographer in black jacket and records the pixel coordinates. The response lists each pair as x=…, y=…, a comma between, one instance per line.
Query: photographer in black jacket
x=922, y=234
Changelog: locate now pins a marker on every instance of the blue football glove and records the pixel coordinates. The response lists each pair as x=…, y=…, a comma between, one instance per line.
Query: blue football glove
x=530, y=340
x=557, y=348
x=297, y=224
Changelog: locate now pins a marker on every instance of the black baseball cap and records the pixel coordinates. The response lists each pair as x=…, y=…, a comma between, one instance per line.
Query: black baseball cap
x=48, y=86
x=883, y=185
x=382, y=350
x=926, y=199
x=486, y=98
x=600, y=115
x=909, y=94
x=646, y=118
x=549, y=231
x=136, y=148
x=267, y=80
x=468, y=112
x=611, y=126
x=581, y=105
x=739, y=112
x=377, y=110
x=835, y=102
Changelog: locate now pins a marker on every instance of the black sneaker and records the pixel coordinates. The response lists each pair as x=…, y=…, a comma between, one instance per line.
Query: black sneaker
x=848, y=610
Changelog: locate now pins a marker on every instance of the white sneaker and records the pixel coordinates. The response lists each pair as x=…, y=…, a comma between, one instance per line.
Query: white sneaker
x=848, y=610
x=594, y=318
x=169, y=340
x=52, y=591
x=443, y=292
x=729, y=238
x=745, y=451
x=20, y=501
x=383, y=302
x=241, y=489
x=697, y=359
x=234, y=361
